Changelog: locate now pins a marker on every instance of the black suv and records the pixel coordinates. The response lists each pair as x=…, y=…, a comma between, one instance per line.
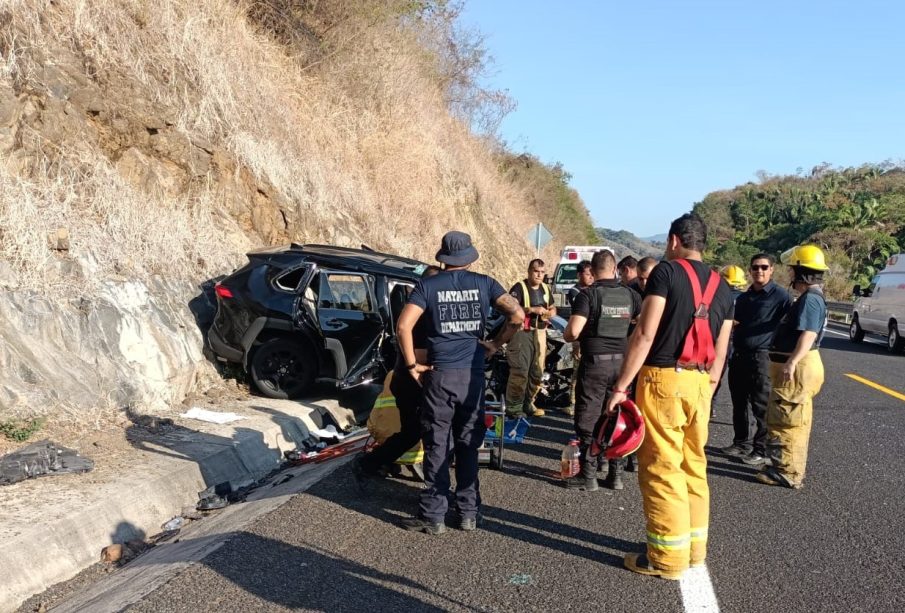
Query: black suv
x=301, y=313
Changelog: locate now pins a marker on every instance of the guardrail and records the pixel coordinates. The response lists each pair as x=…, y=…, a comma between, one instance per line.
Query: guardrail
x=840, y=311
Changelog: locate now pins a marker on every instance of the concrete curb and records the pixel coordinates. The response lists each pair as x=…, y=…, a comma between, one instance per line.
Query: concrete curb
x=170, y=471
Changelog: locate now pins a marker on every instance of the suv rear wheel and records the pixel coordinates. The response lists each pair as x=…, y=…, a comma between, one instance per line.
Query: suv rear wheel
x=282, y=368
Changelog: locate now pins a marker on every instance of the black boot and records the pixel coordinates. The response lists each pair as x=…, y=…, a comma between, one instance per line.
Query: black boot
x=613, y=479
x=630, y=463
x=578, y=482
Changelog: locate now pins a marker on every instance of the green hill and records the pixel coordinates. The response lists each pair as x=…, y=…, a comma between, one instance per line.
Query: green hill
x=857, y=215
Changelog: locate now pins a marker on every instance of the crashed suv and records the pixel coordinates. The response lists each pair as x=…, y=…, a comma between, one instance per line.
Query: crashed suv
x=304, y=313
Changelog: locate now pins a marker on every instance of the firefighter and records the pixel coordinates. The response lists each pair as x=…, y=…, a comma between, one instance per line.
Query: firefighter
x=585, y=279
x=600, y=320
x=758, y=312
x=455, y=303
x=406, y=394
x=796, y=370
x=527, y=350
x=681, y=338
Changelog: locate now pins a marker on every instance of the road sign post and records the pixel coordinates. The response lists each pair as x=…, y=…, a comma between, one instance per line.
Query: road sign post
x=538, y=237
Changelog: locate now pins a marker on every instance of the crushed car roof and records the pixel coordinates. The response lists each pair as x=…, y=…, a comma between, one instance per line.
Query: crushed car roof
x=347, y=257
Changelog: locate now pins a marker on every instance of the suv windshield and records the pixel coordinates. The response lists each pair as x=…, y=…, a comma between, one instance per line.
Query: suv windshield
x=566, y=273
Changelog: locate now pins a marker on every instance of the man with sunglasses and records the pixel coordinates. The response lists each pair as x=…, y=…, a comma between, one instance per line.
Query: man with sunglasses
x=758, y=312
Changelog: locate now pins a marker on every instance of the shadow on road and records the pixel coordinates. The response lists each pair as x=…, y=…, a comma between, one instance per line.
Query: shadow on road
x=836, y=343
x=389, y=501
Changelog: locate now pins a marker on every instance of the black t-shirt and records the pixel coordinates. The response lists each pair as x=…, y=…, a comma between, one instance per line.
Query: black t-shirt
x=535, y=298
x=595, y=345
x=456, y=304
x=669, y=280
x=419, y=340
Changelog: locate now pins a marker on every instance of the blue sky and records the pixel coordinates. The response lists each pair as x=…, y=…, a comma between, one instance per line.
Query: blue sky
x=653, y=104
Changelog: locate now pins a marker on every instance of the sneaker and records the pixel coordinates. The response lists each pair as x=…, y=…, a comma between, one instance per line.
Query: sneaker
x=468, y=524
x=613, y=482
x=537, y=412
x=771, y=476
x=570, y=411
x=736, y=450
x=416, y=524
x=638, y=562
x=582, y=484
x=754, y=459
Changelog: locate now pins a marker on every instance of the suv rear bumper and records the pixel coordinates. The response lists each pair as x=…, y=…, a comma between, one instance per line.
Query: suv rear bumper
x=221, y=348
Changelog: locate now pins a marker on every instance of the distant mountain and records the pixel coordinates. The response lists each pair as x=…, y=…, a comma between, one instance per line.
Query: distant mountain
x=625, y=243
x=656, y=238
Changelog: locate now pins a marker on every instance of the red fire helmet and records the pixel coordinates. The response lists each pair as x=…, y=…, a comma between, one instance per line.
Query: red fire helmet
x=619, y=434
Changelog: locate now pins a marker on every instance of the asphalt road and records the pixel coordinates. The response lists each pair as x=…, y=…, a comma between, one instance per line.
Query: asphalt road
x=836, y=545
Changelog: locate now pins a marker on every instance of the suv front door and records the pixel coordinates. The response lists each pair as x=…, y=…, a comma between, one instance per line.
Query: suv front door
x=352, y=328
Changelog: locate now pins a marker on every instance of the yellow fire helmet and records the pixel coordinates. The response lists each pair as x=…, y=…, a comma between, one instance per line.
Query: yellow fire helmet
x=735, y=276
x=806, y=256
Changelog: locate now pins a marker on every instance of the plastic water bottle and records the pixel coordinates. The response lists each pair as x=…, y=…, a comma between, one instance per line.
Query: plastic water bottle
x=569, y=466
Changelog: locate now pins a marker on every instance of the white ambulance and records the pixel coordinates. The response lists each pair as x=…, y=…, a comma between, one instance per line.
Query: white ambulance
x=880, y=307
x=566, y=273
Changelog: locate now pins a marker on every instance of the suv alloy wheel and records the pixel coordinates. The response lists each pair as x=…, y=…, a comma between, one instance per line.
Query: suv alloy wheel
x=281, y=368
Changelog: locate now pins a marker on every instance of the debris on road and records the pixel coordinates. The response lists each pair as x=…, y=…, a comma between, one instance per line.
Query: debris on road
x=354, y=441
x=39, y=459
x=521, y=579
x=174, y=524
x=213, y=417
x=112, y=553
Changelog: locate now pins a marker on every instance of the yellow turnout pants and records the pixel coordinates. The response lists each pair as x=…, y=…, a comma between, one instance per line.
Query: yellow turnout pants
x=789, y=414
x=526, y=353
x=672, y=468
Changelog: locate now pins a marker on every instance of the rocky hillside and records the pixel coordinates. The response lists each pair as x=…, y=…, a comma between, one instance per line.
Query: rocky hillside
x=145, y=146
x=625, y=243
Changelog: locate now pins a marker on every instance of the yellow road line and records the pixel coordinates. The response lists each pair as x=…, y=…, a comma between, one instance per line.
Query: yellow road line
x=876, y=386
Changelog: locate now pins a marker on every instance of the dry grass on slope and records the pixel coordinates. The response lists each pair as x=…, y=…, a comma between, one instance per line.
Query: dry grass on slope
x=344, y=122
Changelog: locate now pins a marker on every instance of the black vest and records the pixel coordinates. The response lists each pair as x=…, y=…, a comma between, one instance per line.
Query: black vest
x=610, y=312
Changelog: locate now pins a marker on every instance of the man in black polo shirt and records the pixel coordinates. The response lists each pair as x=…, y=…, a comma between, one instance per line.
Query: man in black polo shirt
x=601, y=315
x=674, y=394
x=758, y=312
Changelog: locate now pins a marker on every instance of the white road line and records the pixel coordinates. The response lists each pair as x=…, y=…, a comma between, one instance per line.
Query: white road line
x=697, y=591
x=845, y=335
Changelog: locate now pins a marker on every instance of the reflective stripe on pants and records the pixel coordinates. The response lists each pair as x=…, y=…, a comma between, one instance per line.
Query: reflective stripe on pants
x=790, y=411
x=672, y=468
x=526, y=353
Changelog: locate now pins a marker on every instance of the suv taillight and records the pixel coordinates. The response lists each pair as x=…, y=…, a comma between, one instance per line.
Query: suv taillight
x=222, y=291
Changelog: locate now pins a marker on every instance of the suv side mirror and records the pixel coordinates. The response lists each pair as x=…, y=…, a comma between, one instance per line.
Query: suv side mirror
x=856, y=291
x=547, y=279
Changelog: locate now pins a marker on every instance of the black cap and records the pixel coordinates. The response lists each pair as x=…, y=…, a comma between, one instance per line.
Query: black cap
x=456, y=249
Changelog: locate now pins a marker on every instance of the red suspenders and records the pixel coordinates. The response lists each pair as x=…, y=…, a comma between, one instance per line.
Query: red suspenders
x=698, y=350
